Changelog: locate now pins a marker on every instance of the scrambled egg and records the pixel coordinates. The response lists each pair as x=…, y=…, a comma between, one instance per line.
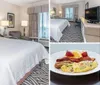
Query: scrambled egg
x=83, y=66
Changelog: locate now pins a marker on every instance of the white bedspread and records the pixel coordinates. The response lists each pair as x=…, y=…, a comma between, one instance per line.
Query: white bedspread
x=17, y=57
x=56, y=28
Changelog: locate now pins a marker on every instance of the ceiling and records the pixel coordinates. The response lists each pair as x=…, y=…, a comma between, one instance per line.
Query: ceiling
x=21, y=2
x=24, y=2
x=64, y=1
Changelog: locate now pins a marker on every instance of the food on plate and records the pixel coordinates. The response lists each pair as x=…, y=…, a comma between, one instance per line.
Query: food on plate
x=76, y=61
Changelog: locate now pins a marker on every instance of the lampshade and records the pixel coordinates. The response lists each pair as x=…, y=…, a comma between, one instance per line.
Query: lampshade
x=4, y=23
x=24, y=23
x=60, y=12
x=52, y=12
x=83, y=19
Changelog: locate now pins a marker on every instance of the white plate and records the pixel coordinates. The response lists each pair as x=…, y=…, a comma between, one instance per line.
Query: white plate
x=62, y=53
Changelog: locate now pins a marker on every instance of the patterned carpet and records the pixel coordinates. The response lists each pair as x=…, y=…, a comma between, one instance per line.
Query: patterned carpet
x=39, y=75
x=71, y=34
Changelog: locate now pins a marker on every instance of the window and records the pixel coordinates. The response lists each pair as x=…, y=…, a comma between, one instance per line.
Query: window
x=43, y=25
x=69, y=13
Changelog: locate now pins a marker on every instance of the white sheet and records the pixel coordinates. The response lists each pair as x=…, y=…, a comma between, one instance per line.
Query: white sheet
x=56, y=28
x=17, y=57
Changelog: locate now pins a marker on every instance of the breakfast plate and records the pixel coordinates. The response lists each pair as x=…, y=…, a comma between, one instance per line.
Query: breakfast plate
x=94, y=57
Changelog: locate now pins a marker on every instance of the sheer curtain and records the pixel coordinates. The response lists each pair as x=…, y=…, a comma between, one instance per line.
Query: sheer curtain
x=43, y=25
x=69, y=13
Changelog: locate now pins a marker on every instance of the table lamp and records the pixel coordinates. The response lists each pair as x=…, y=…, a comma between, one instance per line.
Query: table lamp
x=24, y=24
x=4, y=23
x=52, y=12
x=60, y=12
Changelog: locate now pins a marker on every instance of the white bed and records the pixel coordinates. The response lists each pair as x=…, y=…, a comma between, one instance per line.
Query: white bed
x=56, y=28
x=17, y=57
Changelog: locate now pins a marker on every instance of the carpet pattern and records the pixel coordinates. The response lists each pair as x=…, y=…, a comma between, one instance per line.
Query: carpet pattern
x=71, y=34
x=39, y=75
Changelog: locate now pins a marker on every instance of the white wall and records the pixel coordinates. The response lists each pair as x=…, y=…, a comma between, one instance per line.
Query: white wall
x=5, y=8
x=93, y=3
x=81, y=9
x=24, y=16
x=64, y=1
x=52, y=5
x=19, y=11
x=38, y=3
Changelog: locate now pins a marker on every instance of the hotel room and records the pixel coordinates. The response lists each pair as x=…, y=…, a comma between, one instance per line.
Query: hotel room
x=24, y=42
x=75, y=21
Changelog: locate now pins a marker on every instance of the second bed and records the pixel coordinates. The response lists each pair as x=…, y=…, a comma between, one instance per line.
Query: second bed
x=56, y=28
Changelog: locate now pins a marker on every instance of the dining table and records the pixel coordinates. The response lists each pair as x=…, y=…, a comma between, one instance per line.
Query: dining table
x=90, y=79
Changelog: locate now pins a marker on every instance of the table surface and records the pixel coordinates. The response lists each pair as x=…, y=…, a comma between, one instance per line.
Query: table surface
x=92, y=79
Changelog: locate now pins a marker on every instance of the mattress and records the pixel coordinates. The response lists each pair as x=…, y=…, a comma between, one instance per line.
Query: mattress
x=17, y=57
x=56, y=28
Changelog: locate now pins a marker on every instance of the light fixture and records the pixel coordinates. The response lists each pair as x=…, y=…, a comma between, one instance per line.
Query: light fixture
x=83, y=20
x=4, y=23
x=52, y=12
x=24, y=24
x=60, y=12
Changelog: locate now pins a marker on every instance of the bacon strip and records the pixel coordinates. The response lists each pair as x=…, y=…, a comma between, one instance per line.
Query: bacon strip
x=62, y=59
x=75, y=59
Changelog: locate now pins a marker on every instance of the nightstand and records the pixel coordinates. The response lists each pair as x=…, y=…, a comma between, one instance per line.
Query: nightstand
x=34, y=38
x=44, y=42
x=8, y=36
x=22, y=38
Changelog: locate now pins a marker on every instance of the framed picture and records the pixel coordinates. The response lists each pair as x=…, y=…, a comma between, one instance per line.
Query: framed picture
x=87, y=5
x=11, y=19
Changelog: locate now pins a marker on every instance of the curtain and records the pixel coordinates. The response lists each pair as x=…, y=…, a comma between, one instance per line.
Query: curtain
x=33, y=18
x=33, y=21
x=30, y=10
x=76, y=12
x=63, y=11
